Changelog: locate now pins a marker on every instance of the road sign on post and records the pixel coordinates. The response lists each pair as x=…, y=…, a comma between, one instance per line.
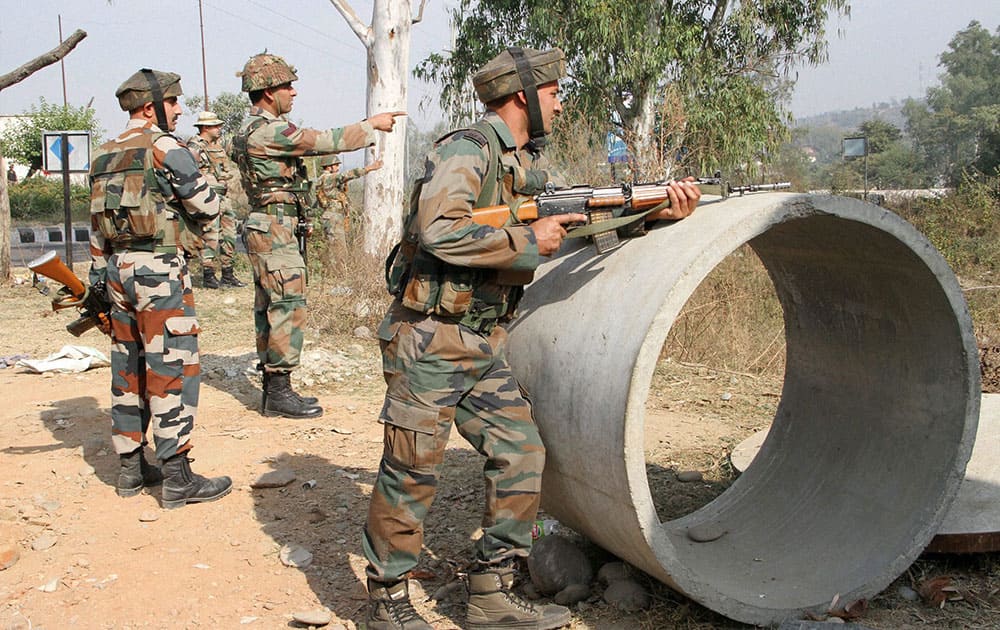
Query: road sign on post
x=66, y=152
x=858, y=147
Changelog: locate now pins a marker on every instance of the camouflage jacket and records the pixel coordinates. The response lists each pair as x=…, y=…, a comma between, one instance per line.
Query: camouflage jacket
x=269, y=149
x=331, y=189
x=449, y=265
x=190, y=204
x=212, y=162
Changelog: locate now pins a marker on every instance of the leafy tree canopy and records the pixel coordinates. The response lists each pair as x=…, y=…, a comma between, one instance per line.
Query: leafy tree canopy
x=958, y=128
x=726, y=65
x=22, y=141
x=229, y=107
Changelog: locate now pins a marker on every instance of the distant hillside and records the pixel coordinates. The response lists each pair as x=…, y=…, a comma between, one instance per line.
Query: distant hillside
x=850, y=120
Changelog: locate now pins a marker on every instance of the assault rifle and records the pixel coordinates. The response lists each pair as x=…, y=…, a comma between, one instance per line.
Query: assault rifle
x=92, y=303
x=608, y=208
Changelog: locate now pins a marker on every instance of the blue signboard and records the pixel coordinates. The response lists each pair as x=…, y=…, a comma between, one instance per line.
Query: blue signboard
x=617, y=149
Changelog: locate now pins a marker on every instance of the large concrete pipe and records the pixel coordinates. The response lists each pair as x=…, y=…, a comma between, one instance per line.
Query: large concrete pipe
x=870, y=440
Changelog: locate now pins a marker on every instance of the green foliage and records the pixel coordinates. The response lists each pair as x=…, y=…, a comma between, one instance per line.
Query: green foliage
x=22, y=141
x=724, y=61
x=958, y=128
x=964, y=225
x=229, y=107
x=40, y=200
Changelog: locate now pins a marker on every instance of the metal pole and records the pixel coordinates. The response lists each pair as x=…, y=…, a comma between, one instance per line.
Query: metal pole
x=204, y=72
x=62, y=65
x=64, y=156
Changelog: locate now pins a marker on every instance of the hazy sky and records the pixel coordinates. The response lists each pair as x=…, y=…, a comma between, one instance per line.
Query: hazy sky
x=888, y=50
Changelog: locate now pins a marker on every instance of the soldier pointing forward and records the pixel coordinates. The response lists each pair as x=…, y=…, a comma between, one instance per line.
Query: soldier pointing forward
x=268, y=150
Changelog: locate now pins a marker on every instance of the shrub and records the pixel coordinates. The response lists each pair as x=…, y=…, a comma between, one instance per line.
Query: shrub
x=40, y=200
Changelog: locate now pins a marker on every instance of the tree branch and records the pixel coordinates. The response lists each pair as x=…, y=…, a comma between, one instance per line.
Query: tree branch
x=420, y=13
x=36, y=64
x=362, y=30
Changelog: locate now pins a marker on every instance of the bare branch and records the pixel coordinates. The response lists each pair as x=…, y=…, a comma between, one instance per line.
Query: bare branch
x=36, y=64
x=420, y=13
x=362, y=30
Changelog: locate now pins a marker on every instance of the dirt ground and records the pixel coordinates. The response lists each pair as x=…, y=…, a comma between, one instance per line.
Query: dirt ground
x=89, y=559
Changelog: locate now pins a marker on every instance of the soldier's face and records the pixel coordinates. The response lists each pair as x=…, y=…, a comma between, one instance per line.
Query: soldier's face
x=212, y=133
x=173, y=111
x=283, y=96
x=549, y=103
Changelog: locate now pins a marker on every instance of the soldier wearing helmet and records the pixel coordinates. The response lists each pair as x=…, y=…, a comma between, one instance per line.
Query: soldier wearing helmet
x=268, y=150
x=456, y=283
x=138, y=240
x=334, y=203
x=219, y=252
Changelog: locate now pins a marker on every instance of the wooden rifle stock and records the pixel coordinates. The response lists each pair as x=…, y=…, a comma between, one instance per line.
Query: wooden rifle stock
x=91, y=303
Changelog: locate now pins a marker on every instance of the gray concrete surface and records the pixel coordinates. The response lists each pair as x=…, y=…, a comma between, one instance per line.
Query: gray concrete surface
x=972, y=524
x=875, y=425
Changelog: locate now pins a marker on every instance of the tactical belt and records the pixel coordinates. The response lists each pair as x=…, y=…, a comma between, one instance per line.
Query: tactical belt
x=144, y=246
x=279, y=209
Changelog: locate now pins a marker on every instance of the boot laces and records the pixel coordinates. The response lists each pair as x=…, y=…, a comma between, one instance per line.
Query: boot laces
x=402, y=612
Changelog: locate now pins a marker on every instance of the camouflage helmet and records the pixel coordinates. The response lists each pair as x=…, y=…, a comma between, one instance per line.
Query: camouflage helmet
x=265, y=70
x=136, y=90
x=499, y=77
x=329, y=160
x=207, y=119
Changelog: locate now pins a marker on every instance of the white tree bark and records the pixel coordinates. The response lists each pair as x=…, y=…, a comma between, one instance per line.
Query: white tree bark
x=387, y=41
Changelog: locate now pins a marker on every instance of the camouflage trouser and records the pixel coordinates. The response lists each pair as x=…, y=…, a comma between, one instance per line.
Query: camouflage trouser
x=221, y=251
x=279, y=277
x=155, y=373
x=334, y=222
x=439, y=373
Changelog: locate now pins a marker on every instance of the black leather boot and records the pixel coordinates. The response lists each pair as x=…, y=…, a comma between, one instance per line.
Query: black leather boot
x=229, y=279
x=181, y=486
x=136, y=473
x=209, y=281
x=306, y=400
x=280, y=400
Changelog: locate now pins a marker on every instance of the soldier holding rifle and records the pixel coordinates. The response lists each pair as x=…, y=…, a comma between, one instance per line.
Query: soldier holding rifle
x=443, y=346
x=137, y=245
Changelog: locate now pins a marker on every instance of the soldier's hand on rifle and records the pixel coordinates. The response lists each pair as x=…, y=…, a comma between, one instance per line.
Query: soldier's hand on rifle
x=549, y=231
x=374, y=166
x=385, y=120
x=684, y=195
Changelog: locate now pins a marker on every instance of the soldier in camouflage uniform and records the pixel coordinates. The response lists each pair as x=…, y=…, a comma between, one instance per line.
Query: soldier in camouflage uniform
x=149, y=203
x=268, y=150
x=443, y=347
x=214, y=165
x=335, y=205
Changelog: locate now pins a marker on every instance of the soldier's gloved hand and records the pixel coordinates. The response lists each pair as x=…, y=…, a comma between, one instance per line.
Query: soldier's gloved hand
x=549, y=232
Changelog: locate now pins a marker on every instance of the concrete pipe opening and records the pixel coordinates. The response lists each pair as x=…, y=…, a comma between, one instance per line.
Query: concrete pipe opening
x=876, y=421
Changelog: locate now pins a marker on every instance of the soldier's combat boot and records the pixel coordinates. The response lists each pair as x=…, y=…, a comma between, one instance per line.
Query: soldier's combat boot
x=209, y=281
x=229, y=279
x=181, y=486
x=493, y=605
x=389, y=608
x=280, y=400
x=136, y=473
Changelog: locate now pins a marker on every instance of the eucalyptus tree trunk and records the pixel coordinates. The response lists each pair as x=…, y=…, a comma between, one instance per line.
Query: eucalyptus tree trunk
x=387, y=40
x=4, y=224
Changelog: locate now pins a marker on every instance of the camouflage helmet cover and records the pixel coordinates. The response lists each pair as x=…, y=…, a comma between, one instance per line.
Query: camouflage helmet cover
x=499, y=77
x=329, y=160
x=136, y=92
x=265, y=70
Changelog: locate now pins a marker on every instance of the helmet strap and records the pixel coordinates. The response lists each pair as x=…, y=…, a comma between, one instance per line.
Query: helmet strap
x=536, y=128
x=157, y=91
